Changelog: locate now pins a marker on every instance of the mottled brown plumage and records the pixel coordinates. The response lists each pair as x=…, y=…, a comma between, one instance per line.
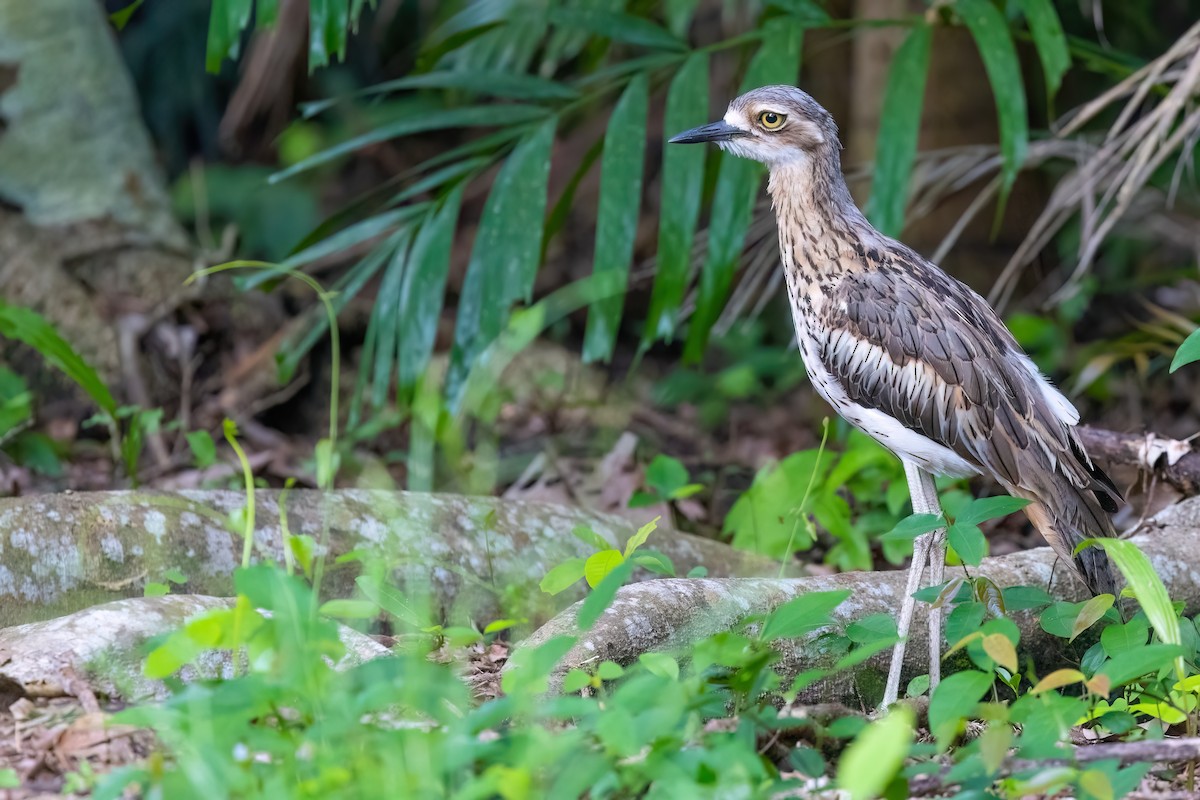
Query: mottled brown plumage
x=907, y=353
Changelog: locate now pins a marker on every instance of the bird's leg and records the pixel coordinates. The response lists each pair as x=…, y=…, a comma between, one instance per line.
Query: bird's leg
x=929, y=548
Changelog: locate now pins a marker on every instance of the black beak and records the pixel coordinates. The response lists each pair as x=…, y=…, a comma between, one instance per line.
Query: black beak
x=720, y=131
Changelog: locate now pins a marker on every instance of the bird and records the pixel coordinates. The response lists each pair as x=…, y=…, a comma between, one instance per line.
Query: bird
x=912, y=356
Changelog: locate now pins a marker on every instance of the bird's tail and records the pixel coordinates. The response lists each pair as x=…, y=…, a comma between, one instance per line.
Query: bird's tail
x=1066, y=515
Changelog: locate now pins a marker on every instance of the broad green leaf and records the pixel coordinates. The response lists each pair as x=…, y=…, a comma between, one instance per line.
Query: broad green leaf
x=876, y=755
x=328, y=28
x=1049, y=39
x=609, y=670
x=621, y=167
x=953, y=699
x=639, y=538
x=660, y=664
x=655, y=562
x=562, y=576
x=1059, y=619
x=1143, y=661
x=682, y=188
x=423, y=288
x=9, y=779
x=1000, y=649
x=598, y=565
x=1147, y=587
x=896, y=146
x=484, y=116
x=666, y=475
x=738, y=180
x=1096, y=785
x=968, y=541
x=616, y=26
x=602, y=596
x=872, y=628
x=225, y=24
x=589, y=537
x=31, y=328
x=349, y=609
x=994, y=744
x=204, y=450
x=504, y=258
x=1118, y=639
x=393, y=601
x=802, y=615
x=864, y=651
x=1188, y=352
x=1024, y=598
x=497, y=625
x=913, y=526
x=985, y=508
x=992, y=37
x=575, y=680
x=1090, y=614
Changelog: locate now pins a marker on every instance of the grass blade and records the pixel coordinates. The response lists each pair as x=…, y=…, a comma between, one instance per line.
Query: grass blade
x=682, y=187
x=422, y=292
x=777, y=61
x=992, y=37
x=25, y=325
x=1049, y=39
x=386, y=312
x=616, y=224
x=506, y=252
x=470, y=116
x=896, y=148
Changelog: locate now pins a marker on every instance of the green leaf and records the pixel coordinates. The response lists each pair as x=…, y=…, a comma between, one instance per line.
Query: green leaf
x=31, y=328
x=875, y=756
x=225, y=25
x=992, y=37
x=204, y=449
x=872, y=628
x=423, y=288
x=1120, y=639
x=985, y=508
x=1146, y=586
x=660, y=664
x=504, y=258
x=602, y=596
x=1024, y=598
x=598, y=565
x=483, y=116
x=912, y=526
x=621, y=166
x=616, y=26
x=682, y=187
x=1188, y=352
x=802, y=615
x=349, y=609
x=1090, y=614
x=589, y=537
x=777, y=61
x=655, y=562
x=896, y=147
x=1059, y=619
x=387, y=321
x=968, y=541
x=155, y=589
x=666, y=475
x=639, y=538
x=120, y=18
x=1049, y=39
x=497, y=625
x=609, y=670
x=953, y=699
x=1145, y=660
x=484, y=82
x=393, y=601
x=562, y=576
x=9, y=779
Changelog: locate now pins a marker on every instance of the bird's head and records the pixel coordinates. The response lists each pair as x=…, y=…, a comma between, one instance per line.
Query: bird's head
x=777, y=125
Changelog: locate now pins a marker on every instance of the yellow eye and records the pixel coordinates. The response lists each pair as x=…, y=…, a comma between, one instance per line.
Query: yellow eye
x=771, y=120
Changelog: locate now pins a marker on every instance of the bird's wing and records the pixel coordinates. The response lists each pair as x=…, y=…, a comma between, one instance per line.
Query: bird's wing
x=925, y=349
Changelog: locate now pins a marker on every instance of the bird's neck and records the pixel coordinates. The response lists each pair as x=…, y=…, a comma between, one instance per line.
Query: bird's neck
x=820, y=228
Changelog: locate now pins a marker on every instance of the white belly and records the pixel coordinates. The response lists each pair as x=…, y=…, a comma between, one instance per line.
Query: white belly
x=907, y=444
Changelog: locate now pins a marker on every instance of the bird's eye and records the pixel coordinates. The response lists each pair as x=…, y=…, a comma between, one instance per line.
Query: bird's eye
x=771, y=120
